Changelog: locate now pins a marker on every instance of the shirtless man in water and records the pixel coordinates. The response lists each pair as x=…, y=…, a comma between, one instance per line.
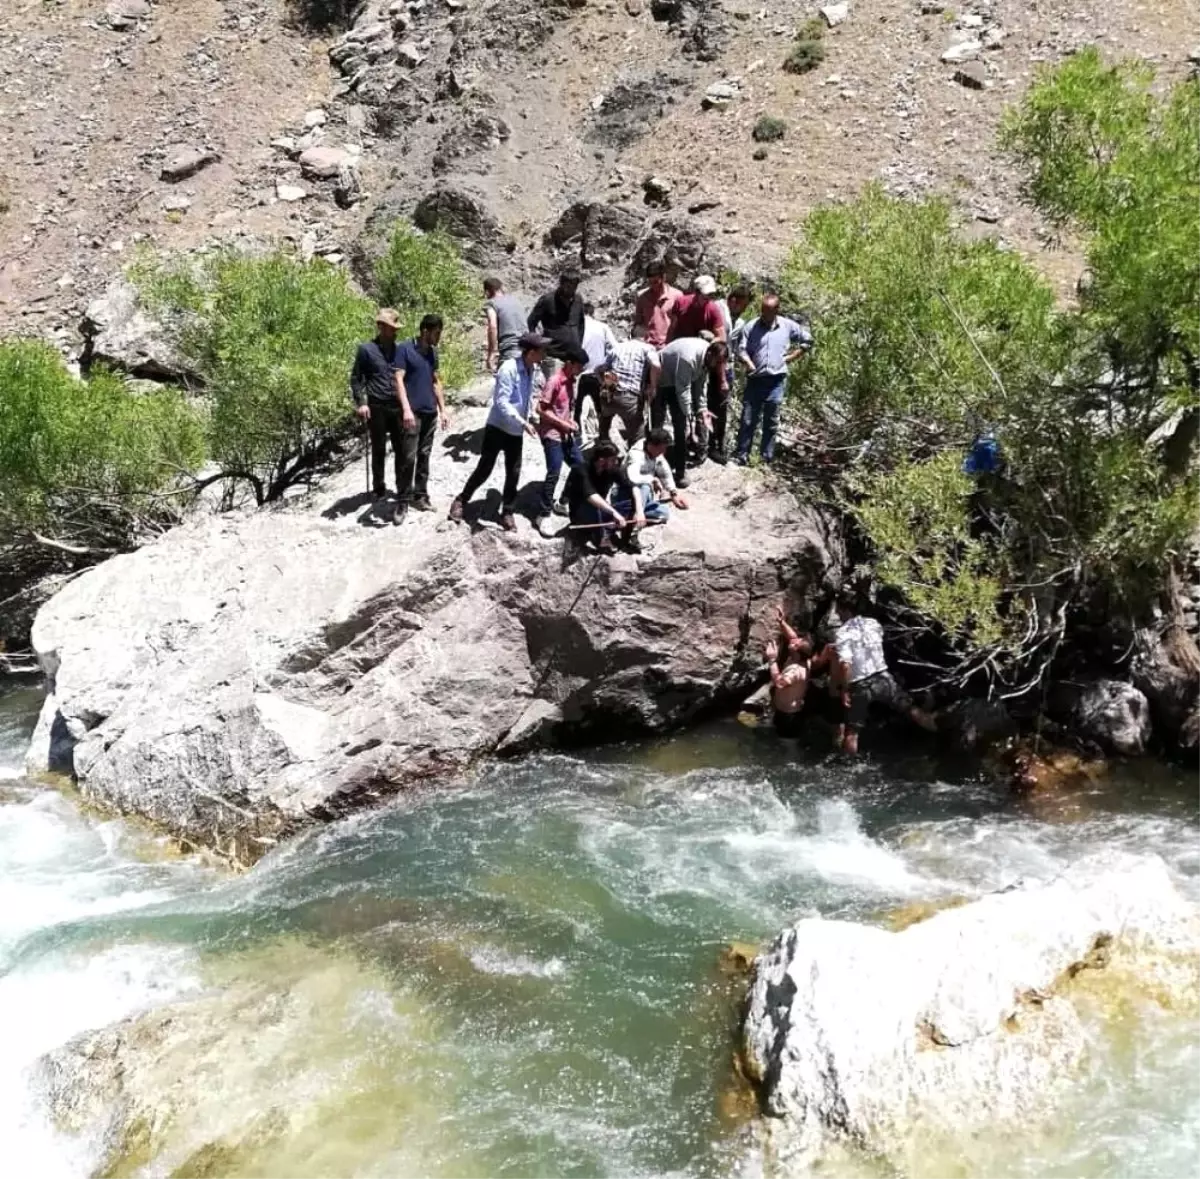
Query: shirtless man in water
x=790, y=683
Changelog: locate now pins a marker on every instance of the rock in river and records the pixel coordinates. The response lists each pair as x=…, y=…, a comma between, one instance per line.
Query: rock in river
x=245, y=676
x=862, y=1036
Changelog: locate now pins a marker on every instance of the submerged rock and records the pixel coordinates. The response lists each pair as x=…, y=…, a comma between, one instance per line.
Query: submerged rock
x=244, y=677
x=861, y=1036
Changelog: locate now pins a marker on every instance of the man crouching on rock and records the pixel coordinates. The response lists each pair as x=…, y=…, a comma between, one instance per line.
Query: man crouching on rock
x=857, y=663
x=601, y=498
x=789, y=683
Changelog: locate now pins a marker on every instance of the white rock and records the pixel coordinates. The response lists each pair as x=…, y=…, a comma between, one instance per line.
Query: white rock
x=315, y=118
x=835, y=14
x=970, y=20
x=176, y=202
x=323, y=163
x=993, y=38
x=860, y=1034
x=962, y=51
x=407, y=54
x=290, y=192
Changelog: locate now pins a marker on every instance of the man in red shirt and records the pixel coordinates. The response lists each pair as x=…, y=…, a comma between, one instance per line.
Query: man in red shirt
x=655, y=306
x=558, y=429
x=698, y=312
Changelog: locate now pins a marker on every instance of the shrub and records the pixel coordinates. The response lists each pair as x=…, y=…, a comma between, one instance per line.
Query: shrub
x=422, y=273
x=768, y=128
x=812, y=29
x=804, y=56
x=86, y=464
x=273, y=339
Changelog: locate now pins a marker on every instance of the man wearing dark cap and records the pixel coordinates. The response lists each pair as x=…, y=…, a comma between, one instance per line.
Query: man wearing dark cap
x=518, y=383
x=376, y=397
x=558, y=315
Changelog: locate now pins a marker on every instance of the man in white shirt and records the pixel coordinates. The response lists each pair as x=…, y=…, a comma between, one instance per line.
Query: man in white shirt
x=599, y=343
x=646, y=466
x=858, y=666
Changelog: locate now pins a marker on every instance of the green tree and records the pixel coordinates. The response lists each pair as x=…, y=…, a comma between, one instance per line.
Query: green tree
x=423, y=273
x=86, y=466
x=272, y=337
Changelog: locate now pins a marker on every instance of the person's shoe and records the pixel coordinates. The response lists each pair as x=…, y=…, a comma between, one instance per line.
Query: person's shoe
x=400, y=514
x=562, y=508
x=633, y=543
x=380, y=493
x=605, y=546
x=456, y=510
x=384, y=509
x=508, y=522
x=719, y=457
x=741, y=460
x=682, y=481
x=422, y=505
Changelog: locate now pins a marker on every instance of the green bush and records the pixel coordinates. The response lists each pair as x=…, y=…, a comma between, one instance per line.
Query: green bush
x=804, y=56
x=423, y=273
x=812, y=29
x=768, y=128
x=86, y=463
x=273, y=339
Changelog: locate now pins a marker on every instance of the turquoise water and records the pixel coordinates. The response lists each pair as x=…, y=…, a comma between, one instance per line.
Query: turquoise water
x=522, y=975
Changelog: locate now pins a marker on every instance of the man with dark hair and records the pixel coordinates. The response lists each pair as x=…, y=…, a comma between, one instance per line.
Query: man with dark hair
x=732, y=308
x=654, y=307
x=558, y=315
x=859, y=668
x=422, y=408
x=628, y=381
x=505, y=323
x=646, y=466
x=598, y=343
x=518, y=382
x=601, y=499
x=766, y=348
x=373, y=390
x=687, y=365
x=558, y=429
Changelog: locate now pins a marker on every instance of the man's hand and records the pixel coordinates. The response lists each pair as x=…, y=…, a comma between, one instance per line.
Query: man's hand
x=780, y=617
x=679, y=502
x=493, y=362
x=771, y=652
x=639, y=521
x=443, y=420
x=364, y=412
x=619, y=520
x=572, y=426
x=408, y=419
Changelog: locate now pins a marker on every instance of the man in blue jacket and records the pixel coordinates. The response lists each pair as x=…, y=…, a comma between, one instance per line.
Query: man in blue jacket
x=518, y=383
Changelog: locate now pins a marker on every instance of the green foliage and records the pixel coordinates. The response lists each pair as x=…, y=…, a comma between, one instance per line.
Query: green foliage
x=768, y=128
x=423, y=273
x=804, y=56
x=812, y=29
x=84, y=461
x=273, y=338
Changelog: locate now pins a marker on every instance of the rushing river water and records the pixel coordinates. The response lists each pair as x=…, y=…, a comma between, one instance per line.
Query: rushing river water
x=522, y=976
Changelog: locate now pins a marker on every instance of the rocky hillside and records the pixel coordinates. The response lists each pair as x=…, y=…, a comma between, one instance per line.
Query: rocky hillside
x=530, y=127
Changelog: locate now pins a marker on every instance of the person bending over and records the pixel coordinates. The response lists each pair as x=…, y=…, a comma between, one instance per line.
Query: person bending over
x=789, y=682
x=857, y=664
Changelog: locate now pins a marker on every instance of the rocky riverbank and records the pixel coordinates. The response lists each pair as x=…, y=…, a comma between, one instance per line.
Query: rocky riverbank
x=247, y=676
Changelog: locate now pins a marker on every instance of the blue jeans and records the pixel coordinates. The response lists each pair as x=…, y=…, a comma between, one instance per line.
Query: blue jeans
x=760, y=401
x=555, y=452
x=620, y=499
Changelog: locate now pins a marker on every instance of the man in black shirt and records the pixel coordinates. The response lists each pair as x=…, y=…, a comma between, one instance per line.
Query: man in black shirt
x=558, y=315
x=589, y=488
x=377, y=399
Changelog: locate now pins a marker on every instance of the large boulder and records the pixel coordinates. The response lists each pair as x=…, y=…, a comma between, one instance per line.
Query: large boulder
x=601, y=232
x=861, y=1036
x=118, y=331
x=243, y=677
x=466, y=218
x=1113, y=714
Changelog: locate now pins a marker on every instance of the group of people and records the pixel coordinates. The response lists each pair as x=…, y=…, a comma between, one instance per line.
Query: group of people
x=551, y=364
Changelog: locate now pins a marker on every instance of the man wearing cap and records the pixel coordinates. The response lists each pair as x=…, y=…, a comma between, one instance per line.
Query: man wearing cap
x=698, y=312
x=422, y=408
x=518, y=383
x=558, y=316
x=654, y=306
x=376, y=397
x=767, y=347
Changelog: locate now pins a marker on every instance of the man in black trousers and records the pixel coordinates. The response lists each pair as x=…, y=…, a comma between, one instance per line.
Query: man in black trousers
x=376, y=400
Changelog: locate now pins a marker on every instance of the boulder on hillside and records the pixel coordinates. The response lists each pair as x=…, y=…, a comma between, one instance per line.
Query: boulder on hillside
x=1113, y=714
x=860, y=1036
x=465, y=218
x=602, y=232
x=685, y=245
x=244, y=677
x=119, y=332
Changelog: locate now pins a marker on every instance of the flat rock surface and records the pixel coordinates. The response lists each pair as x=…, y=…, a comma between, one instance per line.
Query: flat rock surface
x=244, y=676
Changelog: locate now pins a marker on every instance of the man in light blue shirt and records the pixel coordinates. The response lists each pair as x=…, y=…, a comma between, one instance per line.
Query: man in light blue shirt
x=768, y=346
x=518, y=383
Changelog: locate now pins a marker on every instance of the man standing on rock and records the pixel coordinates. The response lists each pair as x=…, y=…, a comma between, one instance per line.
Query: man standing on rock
x=518, y=383
x=558, y=429
x=628, y=382
x=698, y=312
x=374, y=390
x=598, y=343
x=655, y=306
x=732, y=308
x=687, y=365
x=505, y=323
x=422, y=409
x=768, y=346
x=558, y=315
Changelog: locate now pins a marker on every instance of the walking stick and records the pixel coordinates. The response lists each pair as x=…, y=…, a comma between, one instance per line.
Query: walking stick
x=367, y=453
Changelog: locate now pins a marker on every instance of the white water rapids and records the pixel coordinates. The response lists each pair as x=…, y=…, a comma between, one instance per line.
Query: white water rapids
x=521, y=977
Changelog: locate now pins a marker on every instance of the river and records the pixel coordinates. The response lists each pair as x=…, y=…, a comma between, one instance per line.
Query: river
x=522, y=975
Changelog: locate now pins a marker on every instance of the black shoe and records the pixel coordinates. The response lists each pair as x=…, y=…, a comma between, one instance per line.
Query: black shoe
x=422, y=504
x=632, y=544
x=398, y=516
x=682, y=481
x=605, y=546
x=380, y=493
x=562, y=508
x=719, y=457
